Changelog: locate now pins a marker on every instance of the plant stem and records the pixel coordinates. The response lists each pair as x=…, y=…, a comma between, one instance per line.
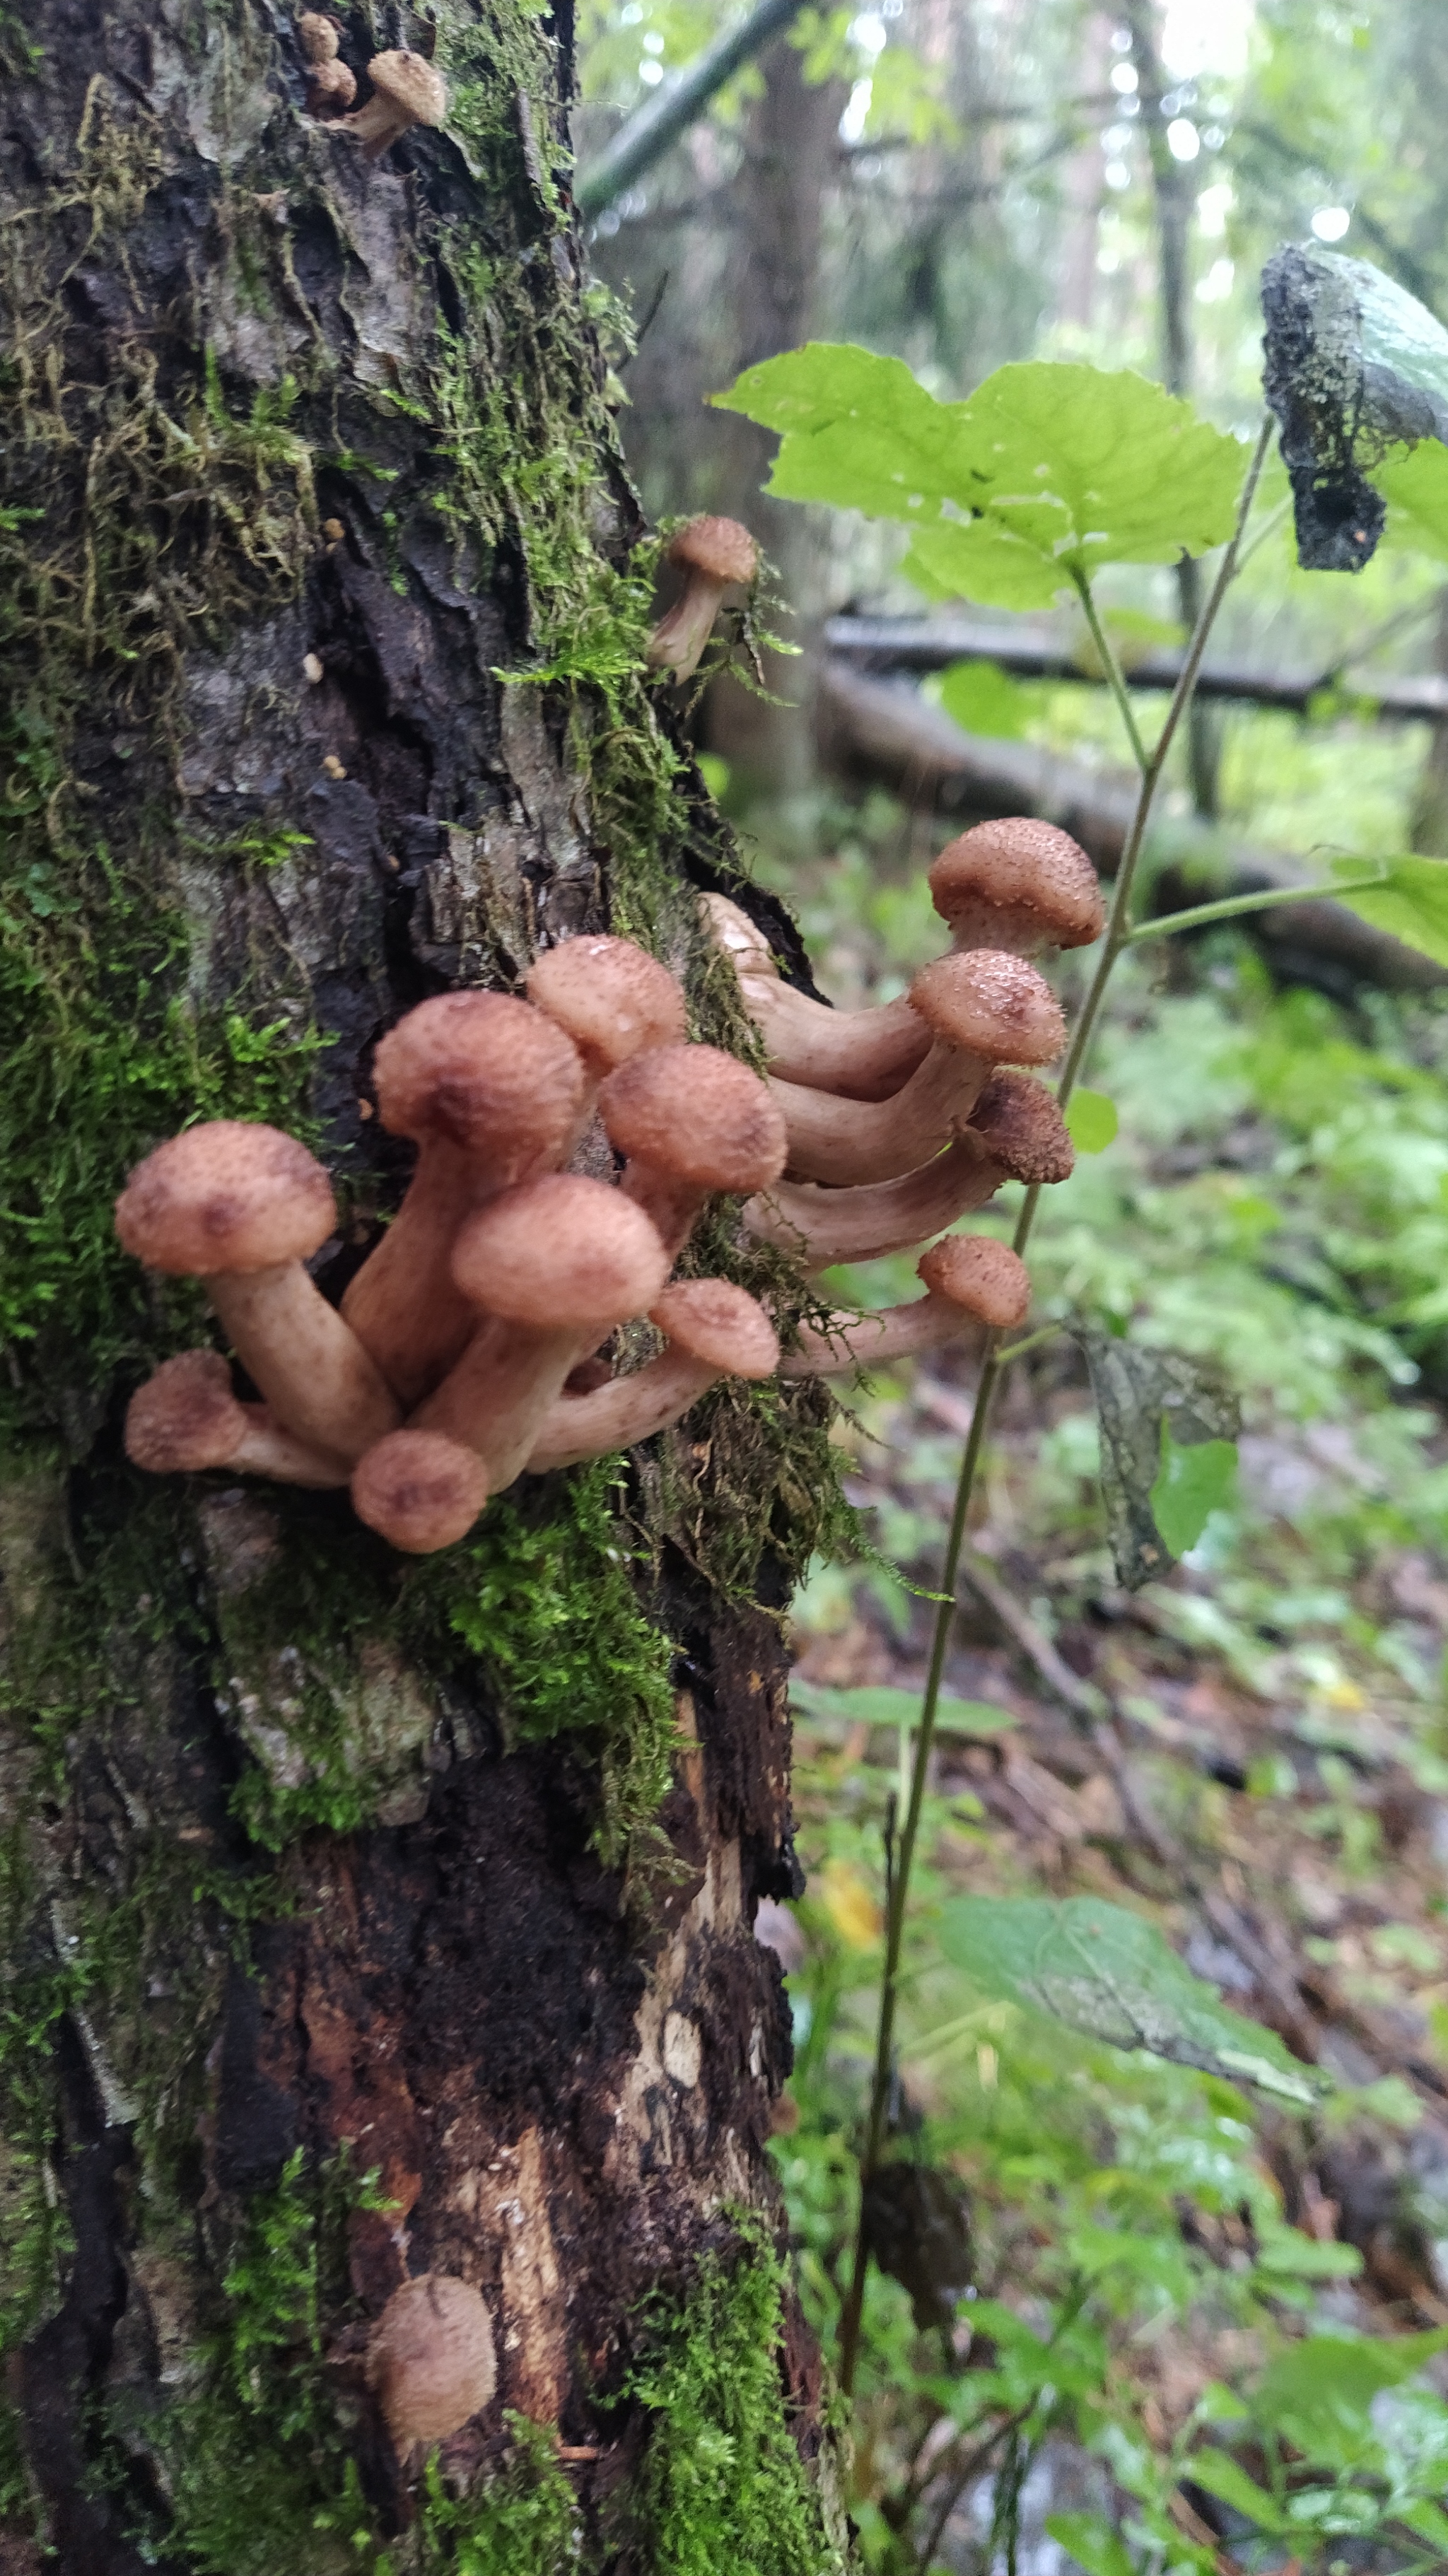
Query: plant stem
x=1230, y=905
x=1018, y=1350
x=1115, y=676
x=1118, y=931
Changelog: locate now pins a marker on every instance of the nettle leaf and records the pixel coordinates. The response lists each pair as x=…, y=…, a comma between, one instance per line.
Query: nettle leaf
x=880, y=1705
x=1110, y=1976
x=1356, y=369
x=1091, y=1121
x=1410, y=898
x=1153, y=1406
x=1047, y=471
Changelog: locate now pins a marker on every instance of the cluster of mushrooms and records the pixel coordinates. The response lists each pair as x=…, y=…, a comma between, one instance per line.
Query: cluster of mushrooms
x=407, y=89
x=470, y=1347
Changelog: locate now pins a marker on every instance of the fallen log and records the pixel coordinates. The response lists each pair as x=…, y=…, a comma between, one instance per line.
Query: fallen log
x=884, y=731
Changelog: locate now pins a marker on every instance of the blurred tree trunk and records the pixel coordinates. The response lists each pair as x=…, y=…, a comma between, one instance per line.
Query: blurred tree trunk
x=309, y=1872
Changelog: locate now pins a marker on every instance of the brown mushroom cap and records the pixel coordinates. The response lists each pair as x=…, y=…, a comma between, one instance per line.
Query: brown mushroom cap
x=431, y=2358
x=719, y=547
x=1029, y=870
x=484, y=1070
x=612, y=997
x=714, y=1320
x=227, y=1196
x=990, y=1004
x=420, y=1489
x=983, y=1276
x=562, y=1253
x=699, y=1115
x=1021, y=1127
x=185, y=1417
x=319, y=36
x=415, y=92
x=330, y=87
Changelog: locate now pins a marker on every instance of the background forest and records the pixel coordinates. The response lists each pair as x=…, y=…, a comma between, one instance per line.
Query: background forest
x=1128, y=2316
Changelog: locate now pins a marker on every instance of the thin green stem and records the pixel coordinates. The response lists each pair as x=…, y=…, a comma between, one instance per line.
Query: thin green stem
x=1230, y=905
x=1032, y=1341
x=1110, y=663
x=1118, y=929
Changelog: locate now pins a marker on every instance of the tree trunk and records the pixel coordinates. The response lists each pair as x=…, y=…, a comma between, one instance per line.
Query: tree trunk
x=365, y=1917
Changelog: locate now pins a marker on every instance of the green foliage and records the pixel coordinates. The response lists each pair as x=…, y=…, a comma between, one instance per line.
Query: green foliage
x=1091, y=1121
x=1408, y=899
x=1197, y=1478
x=1046, y=473
x=984, y=699
x=524, y=2523
x=722, y=2484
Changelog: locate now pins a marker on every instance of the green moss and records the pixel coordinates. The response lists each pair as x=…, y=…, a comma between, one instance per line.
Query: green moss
x=722, y=2483
x=525, y=2523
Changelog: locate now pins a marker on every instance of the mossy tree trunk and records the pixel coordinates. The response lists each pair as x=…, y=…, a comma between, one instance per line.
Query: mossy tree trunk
x=363, y=1917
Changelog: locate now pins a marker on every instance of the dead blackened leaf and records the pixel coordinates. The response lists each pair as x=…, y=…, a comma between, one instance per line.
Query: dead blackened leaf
x=1136, y=1390
x=918, y=2226
x=1356, y=368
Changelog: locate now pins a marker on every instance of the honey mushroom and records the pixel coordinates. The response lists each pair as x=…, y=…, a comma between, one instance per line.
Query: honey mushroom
x=553, y=1267
x=982, y=1010
x=691, y=1121
x=1019, y=884
x=969, y=1278
x=1016, y=1133
x=859, y=1055
x=239, y=1207
x=186, y=1418
x=431, y=2358
x=712, y=553
x=419, y=1490
x=714, y=1330
x=491, y=1092
x=611, y=998
x=406, y=91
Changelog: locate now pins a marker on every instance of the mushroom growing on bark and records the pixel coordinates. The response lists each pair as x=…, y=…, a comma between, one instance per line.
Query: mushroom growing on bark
x=1019, y=884
x=692, y=1121
x=969, y=1278
x=714, y=1329
x=186, y=1418
x=406, y=91
x=239, y=1207
x=613, y=999
x=431, y=2358
x=419, y=1490
x=711, y=553
x=858, y=1055
x=331, y=88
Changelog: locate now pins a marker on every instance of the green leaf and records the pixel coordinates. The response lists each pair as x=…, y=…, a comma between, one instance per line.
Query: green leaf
x=1091, y=2542
x=1356, y=370
x=1414, y=483
x=1193, y=1483
x=1139, y=1393
x=1110, y=1976
x=1091, y=1121
x=1221, y=2477
x=1318, y=2395
x=1046, y=472
x=985, y=700
x=1410, y=899
x=881, y=1706
x=1296, y=2257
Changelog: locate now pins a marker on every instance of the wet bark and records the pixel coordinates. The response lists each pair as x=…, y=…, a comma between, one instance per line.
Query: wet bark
x=307, y=449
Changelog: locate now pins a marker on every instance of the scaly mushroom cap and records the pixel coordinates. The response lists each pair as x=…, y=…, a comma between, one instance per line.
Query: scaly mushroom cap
x=415, y=93
x=489, y=1073
x=185, y=1417
x=1018, y=884
x=227, y=1196
x=697, y=1114
x=715, y=1321
x=319, y=36
x=420, y=1489
x=330, y=89
x=983, y=1276
x=561, y=1253
x=1021, y=1128
x=992, y=1005
x=431, y=2358
x=613, y=999
x=719, y=547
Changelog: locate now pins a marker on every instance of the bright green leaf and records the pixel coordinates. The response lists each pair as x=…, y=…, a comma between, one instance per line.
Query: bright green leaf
x=1289, y=2253
x=1414, y=483
x=984, y=699
x=1319, y=2393
x=1222, y=2477
x=1091, y=1121
x=1410, y=899
x=858, y=431
x=1193, y=1483
x=1091, y=2542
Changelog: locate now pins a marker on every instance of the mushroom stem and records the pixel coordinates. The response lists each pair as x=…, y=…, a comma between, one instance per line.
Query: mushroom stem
x=499, y=1391
x=710, y=553
x=858, y=1055
x=406, y=90
x=621, y=1414
x=866, y=1341
x=186, y=1418
x=402, y=1304
x=309, y=1365
x=823, y=1226
x=969, y=1279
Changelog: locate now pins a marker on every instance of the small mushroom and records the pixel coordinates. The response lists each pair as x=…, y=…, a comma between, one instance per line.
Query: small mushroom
x=692, y=1121
x=969, y=1278
x=858, y=1055
x=1019, y=884
x=554, y=1266
x=613, y=999
x=320, y=37
x=420, y=1490
x=240, y=1207
x=490, y=1092
x=982, y=1010
x=331, y=88
x=406, y=91
x=715, y=1330
x=186, y=1418
x=431, y=2358
x=711, y=553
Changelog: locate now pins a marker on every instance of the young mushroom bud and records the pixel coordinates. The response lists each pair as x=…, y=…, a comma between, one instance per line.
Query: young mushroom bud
x=858, y=1055
x=419, y=1490
x=431, y=2359
x=1019, y=884
x=715, y=1330
x=1018, y=1124
x=692, y=1121
x=240, y=1207
x=982, y=1010
x=406, y=91
x=186, y=1418
x=614, y=1000
x=711, y=553
x=491, y=1093
x=320, y=37
x=331, y=88
x=555, y=1266
x=969, y=1279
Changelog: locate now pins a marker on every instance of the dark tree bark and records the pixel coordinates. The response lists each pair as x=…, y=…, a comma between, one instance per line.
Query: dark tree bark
x=322, y=1865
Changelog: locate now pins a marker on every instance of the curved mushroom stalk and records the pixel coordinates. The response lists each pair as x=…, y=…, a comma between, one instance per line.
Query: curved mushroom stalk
x=711, y=553
x=692, y=1121
x=970, y=1280
x=715, y=1330
x=186, y=1418
x=239, y=1207
x=1019, y=884
x=858, y=1055
x=406, y=90
x=981, y=1010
